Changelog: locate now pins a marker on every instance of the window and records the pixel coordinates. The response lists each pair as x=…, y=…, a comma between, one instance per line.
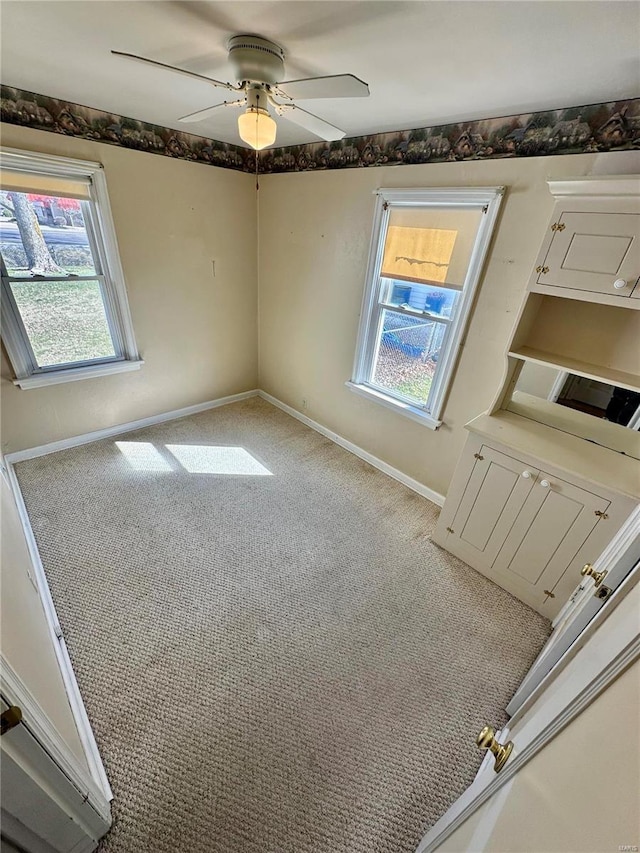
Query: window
x=64, y=304
x=426, y=257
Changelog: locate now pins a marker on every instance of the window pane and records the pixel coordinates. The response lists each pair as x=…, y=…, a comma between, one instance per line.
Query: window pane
x=408, y=355
x=430, y=245
x=44, y=235
x=436, y=300
x=65, y=320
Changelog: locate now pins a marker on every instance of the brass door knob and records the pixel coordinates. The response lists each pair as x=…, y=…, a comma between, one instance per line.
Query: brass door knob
x=588, y=571
x=487, y=740
x=10, y=718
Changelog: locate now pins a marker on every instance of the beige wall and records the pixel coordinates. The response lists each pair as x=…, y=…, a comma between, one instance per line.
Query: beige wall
x=196, y=333
x=24, y=636
x=580, y=793
x=536, y=379
x=314, y=233
x=199, y=334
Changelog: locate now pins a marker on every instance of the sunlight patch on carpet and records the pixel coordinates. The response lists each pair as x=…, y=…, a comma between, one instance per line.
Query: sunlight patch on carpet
x=205, y=459
x=143, y=456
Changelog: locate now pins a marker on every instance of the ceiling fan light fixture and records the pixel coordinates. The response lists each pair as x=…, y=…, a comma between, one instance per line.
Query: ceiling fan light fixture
x=258, y=67
x=257, y=128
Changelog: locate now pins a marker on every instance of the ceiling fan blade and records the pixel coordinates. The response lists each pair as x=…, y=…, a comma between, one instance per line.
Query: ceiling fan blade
x=334, y=86
x=325, y=20
x=174, y=68
x=201, y=115
x=316, y=125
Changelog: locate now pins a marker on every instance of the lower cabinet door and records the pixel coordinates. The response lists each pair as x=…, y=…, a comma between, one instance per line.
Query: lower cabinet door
x=528, y=530
x=549, y=542
x=493, y=497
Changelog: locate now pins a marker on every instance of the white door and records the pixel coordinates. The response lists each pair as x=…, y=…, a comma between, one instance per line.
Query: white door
x=617, y=562
x=589, y=391
x=42, y=810
x=542, y=708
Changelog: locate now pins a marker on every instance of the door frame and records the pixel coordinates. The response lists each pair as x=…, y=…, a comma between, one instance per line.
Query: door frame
x=573, y=683
x=557, y=386
x=621, y=563
x=15, y=692
x=39, y=755
x=37, y=574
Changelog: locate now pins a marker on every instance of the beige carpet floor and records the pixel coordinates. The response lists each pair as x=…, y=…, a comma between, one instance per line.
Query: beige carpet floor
x=274, y=661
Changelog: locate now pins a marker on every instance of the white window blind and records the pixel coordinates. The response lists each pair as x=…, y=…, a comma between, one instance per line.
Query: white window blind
x=58, y=186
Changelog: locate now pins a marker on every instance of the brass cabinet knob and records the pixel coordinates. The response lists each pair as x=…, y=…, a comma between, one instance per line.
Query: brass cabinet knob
x=487, y=740
x=588, y=571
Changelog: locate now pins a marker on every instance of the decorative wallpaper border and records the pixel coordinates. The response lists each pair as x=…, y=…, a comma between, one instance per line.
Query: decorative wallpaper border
x=611, y=126
x=44, y=113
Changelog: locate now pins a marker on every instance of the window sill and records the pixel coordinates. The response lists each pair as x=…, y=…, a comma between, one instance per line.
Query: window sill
x=404, y=409
x=72, y=374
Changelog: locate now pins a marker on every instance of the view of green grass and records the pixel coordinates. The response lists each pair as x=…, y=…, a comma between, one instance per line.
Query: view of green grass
x=65, y=320
x=418, y=387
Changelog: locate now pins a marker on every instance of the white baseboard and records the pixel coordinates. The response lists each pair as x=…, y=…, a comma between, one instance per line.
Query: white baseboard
x=118, y=429
x=96, y=435
x=390, y=471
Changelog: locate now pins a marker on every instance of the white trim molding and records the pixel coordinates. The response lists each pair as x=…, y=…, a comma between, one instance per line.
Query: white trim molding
x=15, y=692
x=594, y=185
x=401, y=408
x=117, y=429
x=389, y=470
x=40, y=380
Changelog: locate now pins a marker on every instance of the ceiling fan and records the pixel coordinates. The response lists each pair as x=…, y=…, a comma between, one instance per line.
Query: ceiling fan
x=258, y=64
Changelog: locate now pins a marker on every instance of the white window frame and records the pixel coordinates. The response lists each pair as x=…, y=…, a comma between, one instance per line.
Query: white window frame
x=488, y=200
x=102, y=239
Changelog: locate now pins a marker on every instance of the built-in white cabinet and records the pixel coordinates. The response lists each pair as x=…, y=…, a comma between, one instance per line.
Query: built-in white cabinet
x=591, y=249
x=526, y=524
x=595, y=252
x=531, y=502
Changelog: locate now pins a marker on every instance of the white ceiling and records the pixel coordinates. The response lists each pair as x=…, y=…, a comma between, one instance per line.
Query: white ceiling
x=426, y=63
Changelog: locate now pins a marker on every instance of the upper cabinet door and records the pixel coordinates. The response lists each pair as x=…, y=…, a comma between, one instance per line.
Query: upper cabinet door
x=593, y=252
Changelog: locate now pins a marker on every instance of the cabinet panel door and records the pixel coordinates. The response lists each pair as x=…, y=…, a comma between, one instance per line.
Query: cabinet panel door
x=547, y=538
x=592, y=251
x=492, y=499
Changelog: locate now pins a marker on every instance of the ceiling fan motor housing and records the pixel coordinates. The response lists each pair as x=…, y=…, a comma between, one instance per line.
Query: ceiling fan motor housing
x=256, y=59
